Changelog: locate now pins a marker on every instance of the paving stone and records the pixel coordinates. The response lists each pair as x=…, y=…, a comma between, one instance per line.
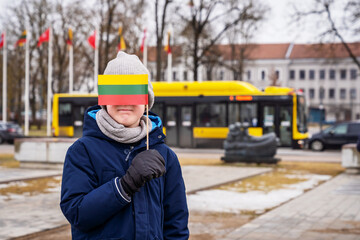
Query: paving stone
x=309, y=216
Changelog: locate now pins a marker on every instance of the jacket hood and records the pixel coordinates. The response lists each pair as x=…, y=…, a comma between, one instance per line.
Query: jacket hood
x=92, y=129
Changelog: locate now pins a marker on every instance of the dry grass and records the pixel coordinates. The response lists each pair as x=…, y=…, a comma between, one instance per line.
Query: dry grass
x=200, y=161
x=8, y=160
x=283, y=174
x=35, y=132
x=331, y=169
x=31, y=187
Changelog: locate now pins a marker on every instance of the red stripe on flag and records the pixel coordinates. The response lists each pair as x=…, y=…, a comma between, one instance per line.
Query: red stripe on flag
x=123, y=99
x=2, y=40
x=91, y=40
x=45, y=37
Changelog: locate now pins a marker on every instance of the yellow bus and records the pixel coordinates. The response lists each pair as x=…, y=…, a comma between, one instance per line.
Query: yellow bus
x=197, y=114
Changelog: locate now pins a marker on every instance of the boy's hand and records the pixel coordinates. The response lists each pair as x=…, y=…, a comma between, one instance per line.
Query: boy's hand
x=145, y=166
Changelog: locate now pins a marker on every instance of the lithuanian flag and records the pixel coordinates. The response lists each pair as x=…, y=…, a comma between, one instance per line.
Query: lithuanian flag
x=121, y=42
x=167, y=47
x=69, y=39
x=123, y=89
x=21, y=40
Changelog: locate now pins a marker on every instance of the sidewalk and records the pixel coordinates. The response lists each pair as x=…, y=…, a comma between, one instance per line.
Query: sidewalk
x=25, y=215
x=330, y=211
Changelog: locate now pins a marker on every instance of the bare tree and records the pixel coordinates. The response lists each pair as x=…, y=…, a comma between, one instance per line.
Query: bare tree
x=323, y=9
x=206, y=13
x=161, y=9
x=243, y=33
x=113, y=14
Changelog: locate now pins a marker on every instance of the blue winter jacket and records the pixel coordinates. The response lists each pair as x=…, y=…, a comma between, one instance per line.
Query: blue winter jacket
x=90, y=196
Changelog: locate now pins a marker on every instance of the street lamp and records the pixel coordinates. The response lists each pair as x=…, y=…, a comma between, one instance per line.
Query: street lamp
x=321, y=106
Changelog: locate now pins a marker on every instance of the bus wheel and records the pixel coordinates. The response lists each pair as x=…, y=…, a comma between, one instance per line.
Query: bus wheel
x=317, y=145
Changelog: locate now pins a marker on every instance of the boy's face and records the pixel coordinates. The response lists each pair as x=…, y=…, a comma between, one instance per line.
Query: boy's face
x=127, y=115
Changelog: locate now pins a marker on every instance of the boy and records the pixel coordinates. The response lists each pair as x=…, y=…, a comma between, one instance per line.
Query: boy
x=112, y=187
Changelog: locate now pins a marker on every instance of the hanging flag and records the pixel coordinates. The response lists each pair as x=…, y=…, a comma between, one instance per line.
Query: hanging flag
x=44, y=37
x=123, y=89
x=69, y=37
x=92, y=39
x=2, y=40
x=168, y=46
x=20, y=42
x=121, y=43
x=143, y=41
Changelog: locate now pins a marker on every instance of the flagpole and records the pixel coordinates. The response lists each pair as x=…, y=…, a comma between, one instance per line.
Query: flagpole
x=4, y=108
x=48, y=125
x=169, y=67
x=26, y=95
x=147, y=126
x=145, y=53
x=71, y=68
x=170, y=55
x=96, y=59
x=145, y=49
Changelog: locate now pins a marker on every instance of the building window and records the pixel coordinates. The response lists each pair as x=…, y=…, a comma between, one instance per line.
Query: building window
x=185, y=76
x=302, y=74
x=342, y=93
x=292, y=74
x=277, y=74
x=263, y=75
x=321, y=93
x=235, y=73
x=221, y=75
x=248, y=73
x=163, y=76
x=322, y=74
x=331, y=93
x=353, y=93
x=311, y=93
x=343, y=74
x=174, y=76
x=353, y=74
x=312, y=74
x=332, y=74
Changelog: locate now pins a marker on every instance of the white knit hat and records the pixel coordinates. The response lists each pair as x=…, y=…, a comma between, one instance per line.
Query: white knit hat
x=125, y=64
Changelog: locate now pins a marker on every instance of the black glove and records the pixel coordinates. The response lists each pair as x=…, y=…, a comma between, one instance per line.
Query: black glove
x=144, y=167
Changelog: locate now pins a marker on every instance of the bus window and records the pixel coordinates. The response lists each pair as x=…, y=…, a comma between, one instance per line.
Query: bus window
x=211, y=115
x=171, y=116
x=269, y=119
x=245, y=113
x=301, y=115
x=65, y=114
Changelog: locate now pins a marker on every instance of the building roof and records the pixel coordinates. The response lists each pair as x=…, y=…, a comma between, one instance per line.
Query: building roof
x=270, y=51
x=330, y=50
x=254, y=51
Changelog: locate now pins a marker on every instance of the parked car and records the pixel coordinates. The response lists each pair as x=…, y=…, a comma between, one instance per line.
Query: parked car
x=9, y=131
x=335, y=136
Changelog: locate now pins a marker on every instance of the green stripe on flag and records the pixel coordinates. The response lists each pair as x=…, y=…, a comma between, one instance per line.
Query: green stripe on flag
x=122, y=89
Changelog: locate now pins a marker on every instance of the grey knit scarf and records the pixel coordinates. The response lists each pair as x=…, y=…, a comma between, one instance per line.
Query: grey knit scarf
x=119, y=132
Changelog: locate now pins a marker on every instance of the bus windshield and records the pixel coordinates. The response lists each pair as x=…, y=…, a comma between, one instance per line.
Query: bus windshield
x=301, y=115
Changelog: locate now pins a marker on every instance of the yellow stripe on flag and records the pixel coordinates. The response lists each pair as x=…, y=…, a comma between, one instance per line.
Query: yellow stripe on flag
x=135, y=79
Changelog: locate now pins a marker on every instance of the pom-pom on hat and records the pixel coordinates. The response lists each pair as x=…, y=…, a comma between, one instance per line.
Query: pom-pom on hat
x=126, y=64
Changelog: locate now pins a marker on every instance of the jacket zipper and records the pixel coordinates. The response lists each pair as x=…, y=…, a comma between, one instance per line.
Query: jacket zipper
x=128, y=155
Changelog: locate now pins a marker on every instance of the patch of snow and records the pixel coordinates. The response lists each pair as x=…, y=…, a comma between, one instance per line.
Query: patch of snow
x=235, y=202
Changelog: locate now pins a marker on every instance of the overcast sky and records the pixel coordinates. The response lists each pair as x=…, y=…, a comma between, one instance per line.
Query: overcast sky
x=278, y=27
